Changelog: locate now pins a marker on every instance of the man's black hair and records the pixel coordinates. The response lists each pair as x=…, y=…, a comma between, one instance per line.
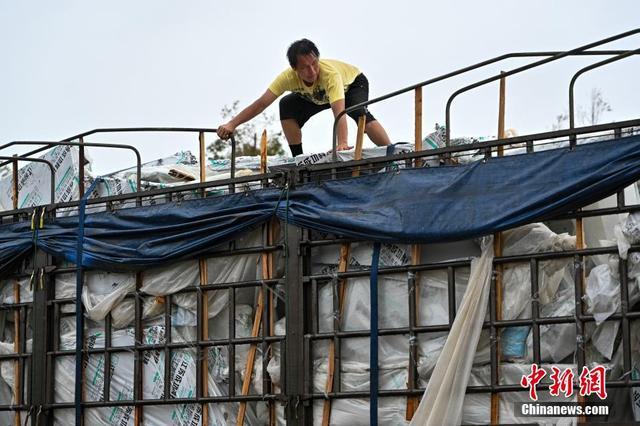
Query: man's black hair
x=301, y=47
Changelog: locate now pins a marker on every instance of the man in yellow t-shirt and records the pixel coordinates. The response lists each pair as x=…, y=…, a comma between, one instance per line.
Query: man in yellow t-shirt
x=316, y=84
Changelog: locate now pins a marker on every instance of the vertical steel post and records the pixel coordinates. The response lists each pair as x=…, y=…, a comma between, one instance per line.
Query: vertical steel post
x=81, y=170
x=579, y=277
x=41, y=337
x=138, y=366
x=17, y=390
x=204, y=318
x=294, y=338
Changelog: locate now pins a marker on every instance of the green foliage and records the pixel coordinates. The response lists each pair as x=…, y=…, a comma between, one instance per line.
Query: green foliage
x=247, y=136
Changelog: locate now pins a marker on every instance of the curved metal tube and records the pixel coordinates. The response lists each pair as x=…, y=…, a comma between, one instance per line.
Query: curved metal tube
x=96, y=144
x=524, y=68
x=589, y=68
x=458, y=72
x=38, y=160
x=160, y=129
x=138, y=129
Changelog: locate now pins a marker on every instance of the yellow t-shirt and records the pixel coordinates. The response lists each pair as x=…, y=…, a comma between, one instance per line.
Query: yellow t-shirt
x=333, y=79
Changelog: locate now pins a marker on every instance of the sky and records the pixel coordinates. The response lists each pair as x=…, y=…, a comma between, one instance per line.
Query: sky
x=72, y=66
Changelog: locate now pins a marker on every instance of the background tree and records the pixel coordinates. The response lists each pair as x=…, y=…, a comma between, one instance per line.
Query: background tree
x=248, y=135
x=597, y=107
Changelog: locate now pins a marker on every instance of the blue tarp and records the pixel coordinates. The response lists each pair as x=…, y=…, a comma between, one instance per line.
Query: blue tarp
x=425, y=205
x=452, y=203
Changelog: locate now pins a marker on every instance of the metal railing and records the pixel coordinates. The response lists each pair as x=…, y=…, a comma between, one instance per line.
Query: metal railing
x=417, y=88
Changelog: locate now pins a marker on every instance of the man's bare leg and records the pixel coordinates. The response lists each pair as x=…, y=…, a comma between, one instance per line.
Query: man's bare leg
x=293, y=133
x=376, y=133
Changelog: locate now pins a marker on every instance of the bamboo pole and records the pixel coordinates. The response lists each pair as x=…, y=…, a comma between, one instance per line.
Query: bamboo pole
x=359, y=140
x=416, y=249
x=271, y=231
x=14, y=166
x=263, y=152
x=343, y=265
x=418, y=124
x=203, y=161
x=204, y=275
x=497, y=248
x=501, y=113
x=251, y=356
x=416, y=256
x=267, y=260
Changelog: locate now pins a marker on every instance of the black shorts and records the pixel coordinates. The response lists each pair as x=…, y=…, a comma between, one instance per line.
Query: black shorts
x=294, y=106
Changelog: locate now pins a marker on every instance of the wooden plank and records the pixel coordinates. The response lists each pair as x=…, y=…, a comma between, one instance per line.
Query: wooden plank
x=251, y=356
x=416, y=249
x=203, y=161
x=359, y=141
x=263, y=152
x=416, y=256
x=343, y=265
x=497, y=249
x=501, y=112
x=267, y=261
x=271, y=237
x=15, y=195
x=418, y=124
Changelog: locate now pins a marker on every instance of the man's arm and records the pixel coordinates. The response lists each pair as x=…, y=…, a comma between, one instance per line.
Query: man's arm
x=337, y=107
x=259, y=105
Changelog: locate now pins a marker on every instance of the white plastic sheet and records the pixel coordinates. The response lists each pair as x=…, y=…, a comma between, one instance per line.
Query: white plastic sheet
x=444, y=396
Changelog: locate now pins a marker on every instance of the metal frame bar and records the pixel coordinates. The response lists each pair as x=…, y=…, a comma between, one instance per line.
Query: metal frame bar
x=587, y=69
x=167, y=346
x=78, y=144
x=200, y=131
x=459, y=72
x=16, y=190
x=525, y=68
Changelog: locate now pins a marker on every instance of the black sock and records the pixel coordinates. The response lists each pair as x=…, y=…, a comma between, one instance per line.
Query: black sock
x=296, y=149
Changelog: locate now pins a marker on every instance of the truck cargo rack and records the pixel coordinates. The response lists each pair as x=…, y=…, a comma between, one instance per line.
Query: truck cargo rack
x=290, y=288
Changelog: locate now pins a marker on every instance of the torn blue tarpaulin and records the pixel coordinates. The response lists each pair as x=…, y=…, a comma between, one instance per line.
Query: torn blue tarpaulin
x=425, y=205
x=139, y=237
